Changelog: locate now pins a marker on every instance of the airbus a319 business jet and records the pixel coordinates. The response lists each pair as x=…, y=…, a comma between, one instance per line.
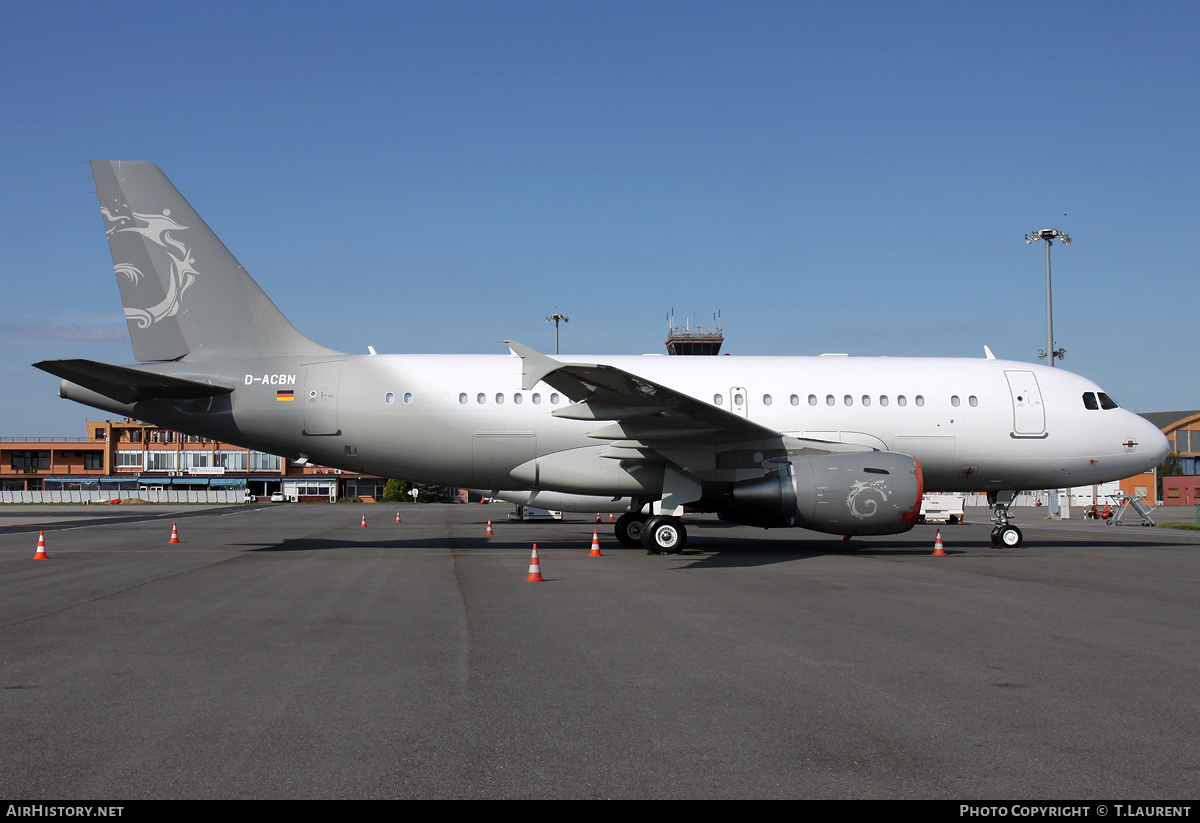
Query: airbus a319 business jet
x=836, y=444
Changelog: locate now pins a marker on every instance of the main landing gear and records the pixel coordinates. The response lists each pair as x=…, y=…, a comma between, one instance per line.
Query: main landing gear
x=1004, y=534
x=657, y=534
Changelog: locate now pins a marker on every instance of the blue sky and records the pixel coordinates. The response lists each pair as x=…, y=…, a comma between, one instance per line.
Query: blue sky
x=424, y=177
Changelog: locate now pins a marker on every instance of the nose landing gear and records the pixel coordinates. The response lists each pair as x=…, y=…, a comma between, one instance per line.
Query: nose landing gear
x=1004, y=534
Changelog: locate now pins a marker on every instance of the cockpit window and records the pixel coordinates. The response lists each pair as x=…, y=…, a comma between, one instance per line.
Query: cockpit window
x=1107, y=402
x=1089, y=401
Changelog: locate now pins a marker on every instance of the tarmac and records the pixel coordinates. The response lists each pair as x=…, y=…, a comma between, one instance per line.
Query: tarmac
x=283, y=651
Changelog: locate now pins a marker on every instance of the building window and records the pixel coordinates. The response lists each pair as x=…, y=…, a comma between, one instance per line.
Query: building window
x=263, y=462
x=234, y=461
x=129, y=460
x=30, y=461
x=160, y=461
x=93, y=460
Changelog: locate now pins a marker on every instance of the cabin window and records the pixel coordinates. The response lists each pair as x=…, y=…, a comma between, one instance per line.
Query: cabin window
x=499, y=398
x=866, y=399
x=812, y=400
x=407, y=397
x=481, y=398
x=767, y=400
x=738, y=400
x=462, y=398
x=954, y=401
x=973, y=400
x=517, y=398
x=389, y=398
x=795, y=398
x=718, y=399
x=848, y=400
x=920, y=400
x=537, y=398
x=830, y=400
x=901, y=400
x=554, y=399
x=883, y=399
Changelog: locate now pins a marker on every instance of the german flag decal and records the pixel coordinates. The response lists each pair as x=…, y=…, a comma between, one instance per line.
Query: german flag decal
x=285, y=395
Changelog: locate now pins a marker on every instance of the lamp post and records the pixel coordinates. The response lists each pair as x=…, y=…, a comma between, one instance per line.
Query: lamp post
x=556, y=318
x=1049, y=353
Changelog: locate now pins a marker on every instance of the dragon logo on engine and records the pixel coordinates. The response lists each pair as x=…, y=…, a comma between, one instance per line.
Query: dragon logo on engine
x=867, y=494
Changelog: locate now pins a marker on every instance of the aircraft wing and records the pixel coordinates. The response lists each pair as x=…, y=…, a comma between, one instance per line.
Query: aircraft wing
x=642, y=412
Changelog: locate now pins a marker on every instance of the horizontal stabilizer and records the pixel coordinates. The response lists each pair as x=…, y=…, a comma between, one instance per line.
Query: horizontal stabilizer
x=126, y=385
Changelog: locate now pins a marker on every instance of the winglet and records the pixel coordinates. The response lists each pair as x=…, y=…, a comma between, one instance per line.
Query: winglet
x=988, y=353
x=534, y=364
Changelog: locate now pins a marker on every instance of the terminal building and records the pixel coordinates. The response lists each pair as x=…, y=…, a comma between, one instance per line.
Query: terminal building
x=128, y=458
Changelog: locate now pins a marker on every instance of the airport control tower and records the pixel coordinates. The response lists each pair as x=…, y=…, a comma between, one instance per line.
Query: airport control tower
x=698, y=340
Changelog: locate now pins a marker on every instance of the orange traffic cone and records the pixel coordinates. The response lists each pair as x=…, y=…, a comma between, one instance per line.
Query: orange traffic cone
x=937, y=545
x=610, y=516
x=397, y=517
x=489, y=531
x=41, y=548
x=535, y=569
x=597, y=517
x=174, y=534
x=595, y=543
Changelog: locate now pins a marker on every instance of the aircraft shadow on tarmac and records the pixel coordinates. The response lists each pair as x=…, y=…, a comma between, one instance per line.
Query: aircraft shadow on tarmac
x=708, y=547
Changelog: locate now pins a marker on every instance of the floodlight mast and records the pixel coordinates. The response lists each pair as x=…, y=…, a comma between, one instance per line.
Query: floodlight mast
x=556, y=318
x=1049, y=353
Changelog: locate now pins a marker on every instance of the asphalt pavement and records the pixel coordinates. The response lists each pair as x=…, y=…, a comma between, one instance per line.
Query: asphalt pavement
x=285, y=651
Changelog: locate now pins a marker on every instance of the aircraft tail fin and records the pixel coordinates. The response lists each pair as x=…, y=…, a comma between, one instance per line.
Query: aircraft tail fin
x=184, y=293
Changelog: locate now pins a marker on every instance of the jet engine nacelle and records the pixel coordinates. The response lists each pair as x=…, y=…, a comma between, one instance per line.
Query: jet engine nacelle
x=861, y=493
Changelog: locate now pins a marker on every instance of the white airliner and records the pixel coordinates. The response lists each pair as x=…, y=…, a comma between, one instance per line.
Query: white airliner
x=837, y=444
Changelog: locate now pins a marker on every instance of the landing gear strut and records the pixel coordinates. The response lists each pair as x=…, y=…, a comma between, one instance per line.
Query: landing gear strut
x=1004, y=534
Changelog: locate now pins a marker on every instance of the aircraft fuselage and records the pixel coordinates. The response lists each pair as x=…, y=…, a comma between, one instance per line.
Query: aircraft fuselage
x=464, y=420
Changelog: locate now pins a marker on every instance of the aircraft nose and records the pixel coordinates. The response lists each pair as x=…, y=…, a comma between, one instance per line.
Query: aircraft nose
x=1152, y=443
